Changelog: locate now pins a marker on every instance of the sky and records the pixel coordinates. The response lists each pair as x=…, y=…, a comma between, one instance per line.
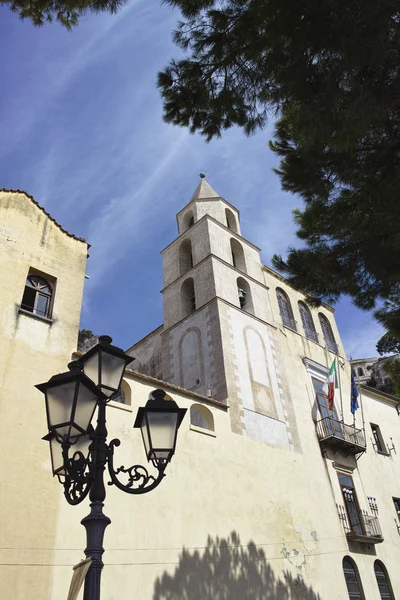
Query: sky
x=82, y=132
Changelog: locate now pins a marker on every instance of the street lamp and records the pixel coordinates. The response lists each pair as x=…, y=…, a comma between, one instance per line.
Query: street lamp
x=79, y=453
x=159, y=421
x=71, y=399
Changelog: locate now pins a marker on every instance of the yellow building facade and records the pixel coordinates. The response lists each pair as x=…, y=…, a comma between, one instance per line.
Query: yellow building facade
x=43, y=270
x=271, y=494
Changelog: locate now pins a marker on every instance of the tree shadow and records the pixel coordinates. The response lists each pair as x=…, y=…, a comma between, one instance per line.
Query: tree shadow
x=226, y=570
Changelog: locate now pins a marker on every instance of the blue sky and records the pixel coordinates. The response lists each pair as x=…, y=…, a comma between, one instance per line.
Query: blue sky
x=82, y=131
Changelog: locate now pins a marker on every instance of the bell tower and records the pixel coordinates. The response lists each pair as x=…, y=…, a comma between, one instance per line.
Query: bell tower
x=218, y=333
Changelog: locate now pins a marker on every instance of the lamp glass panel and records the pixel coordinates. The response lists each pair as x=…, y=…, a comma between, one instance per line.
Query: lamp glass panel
x=85, y=407
x=60, y=402
x=57, y=460
x=145, y=435
x=112, y=369
x=162, y=427
x=91, y=368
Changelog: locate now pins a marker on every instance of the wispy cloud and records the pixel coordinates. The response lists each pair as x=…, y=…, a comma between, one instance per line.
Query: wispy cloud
x=46, y=80
x=83, y=133
x=126, y=220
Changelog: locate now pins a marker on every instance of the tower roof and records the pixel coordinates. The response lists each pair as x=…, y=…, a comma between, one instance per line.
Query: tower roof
x=204, y=190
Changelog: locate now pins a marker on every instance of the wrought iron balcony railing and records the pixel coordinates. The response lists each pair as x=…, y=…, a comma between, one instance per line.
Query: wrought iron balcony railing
x=360, y=527
x=338, y=435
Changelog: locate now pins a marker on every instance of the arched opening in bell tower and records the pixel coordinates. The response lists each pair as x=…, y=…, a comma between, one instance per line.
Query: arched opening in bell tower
x=231, y=220
x=244, y=293
x=238, y=260
x=185, y=257
x=188, y=220
x=188, y=297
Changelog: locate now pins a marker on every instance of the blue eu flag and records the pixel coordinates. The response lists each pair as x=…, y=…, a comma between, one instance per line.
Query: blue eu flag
x=354, y=395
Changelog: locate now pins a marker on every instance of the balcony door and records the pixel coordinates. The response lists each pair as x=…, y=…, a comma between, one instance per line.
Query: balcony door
x=351, y=504
x=329, y=416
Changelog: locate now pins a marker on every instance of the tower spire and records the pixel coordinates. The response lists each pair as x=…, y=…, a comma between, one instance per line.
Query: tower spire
x=204, y=189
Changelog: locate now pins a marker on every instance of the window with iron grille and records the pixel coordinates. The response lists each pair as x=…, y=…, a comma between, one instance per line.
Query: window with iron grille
x=383, y=581
x=353, y=582
x=327, y=333
x=38, y=296
x=285, y=309
x=308, y=323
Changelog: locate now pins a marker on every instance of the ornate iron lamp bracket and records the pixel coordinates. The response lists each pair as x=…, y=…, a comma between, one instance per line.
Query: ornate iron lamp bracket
x=139, y=481
x=78, y=477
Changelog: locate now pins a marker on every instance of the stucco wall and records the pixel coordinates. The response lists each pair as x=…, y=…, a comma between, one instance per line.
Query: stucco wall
x=31, y=351
x=204, y=286
x=200, y=240
x=273, y=282
x=220, y=247
x=176, y=542
x=148, y=354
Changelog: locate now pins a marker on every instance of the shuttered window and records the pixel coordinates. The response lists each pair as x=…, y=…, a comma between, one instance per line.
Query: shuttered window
x=352, y=579
x=383, y=582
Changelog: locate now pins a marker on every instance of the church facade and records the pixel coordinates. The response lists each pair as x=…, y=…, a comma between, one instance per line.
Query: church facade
x=274, y=491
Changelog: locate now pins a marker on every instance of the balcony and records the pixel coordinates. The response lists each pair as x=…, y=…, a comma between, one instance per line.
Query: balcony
x=339, y=436
x=364, y=529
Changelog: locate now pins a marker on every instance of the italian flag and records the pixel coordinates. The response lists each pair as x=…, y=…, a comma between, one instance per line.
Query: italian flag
x=331, y=383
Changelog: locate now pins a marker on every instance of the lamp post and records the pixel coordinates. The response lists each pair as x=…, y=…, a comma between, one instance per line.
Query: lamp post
x=80, y=453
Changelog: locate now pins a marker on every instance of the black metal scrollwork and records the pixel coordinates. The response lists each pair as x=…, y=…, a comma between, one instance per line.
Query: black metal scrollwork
x=75, y=491
x=79, y=476
x=78, y=479
x=138, y=481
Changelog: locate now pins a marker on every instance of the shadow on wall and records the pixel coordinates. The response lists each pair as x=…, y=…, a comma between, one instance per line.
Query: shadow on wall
x=226, y=570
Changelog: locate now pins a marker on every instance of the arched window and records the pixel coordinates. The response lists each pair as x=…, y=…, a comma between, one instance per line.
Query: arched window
x=37, y=296
x=308, y=323
x=230, y=220
x=200, y=416
x=327, y=333
x=285, y=309
x=188, y=298
x=185, y=257
x=244, y=293
x=360, y=371
x=352, y=578
x=124, y=394
x=238, y=255
x=188, y=220
x=383, y=581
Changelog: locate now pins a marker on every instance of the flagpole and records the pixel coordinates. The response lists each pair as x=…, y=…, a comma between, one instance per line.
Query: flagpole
x=362, y=410
x=351, y=395
x=340, y=386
